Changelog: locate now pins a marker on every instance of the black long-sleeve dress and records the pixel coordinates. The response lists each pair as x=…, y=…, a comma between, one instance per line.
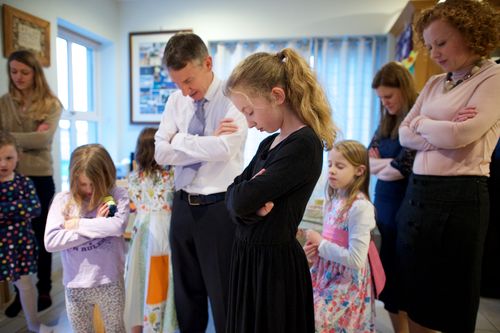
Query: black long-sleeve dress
x=270, y=284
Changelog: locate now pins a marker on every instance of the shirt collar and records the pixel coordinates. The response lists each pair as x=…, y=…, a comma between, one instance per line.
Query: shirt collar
x=212, y=89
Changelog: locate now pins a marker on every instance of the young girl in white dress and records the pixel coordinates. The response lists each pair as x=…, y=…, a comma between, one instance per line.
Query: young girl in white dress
x=149, y=290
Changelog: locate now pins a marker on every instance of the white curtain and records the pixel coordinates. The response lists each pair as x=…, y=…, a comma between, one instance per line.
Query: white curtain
x=226, y=55
x=345, y=67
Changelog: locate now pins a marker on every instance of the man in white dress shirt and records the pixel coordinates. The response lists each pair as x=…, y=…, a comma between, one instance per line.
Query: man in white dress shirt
x=201, y=231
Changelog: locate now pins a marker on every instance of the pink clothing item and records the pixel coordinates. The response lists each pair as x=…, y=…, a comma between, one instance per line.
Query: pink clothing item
x=343, y=293
x=341, y=238
x=448, y=148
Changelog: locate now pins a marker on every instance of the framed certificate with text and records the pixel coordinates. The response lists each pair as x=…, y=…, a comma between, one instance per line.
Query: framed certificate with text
x=22, y=30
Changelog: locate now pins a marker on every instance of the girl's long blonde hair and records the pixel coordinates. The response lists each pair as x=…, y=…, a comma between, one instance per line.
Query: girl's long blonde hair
x=259, y=73
x=42, y=100
x=357, y=155
x=94, y=162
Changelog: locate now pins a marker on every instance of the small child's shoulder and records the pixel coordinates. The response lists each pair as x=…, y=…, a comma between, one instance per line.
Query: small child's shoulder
x=22, y=178
x=62, y=196
x=134, y=174
x=23, y=181
x=18, y=175
x=362, y=196
x=133, y=179
x=119, y=191
x=362, y=201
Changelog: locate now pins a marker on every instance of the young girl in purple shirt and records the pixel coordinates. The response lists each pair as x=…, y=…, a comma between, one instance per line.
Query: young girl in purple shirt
x=90, y=240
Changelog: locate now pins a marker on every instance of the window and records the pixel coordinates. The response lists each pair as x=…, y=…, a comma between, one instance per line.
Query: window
x=76, y=58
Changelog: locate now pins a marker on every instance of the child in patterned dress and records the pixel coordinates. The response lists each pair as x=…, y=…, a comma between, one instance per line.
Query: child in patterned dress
x=344, y=296
x=18, y=248
x=149, y=299
x=91, y=242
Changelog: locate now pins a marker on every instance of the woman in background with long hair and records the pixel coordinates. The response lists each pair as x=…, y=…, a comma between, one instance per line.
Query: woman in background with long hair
x=30, y=112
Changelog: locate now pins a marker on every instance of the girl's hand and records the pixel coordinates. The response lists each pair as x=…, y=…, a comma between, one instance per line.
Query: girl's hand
x=466, y=113
x=301, y=233
x=42, y=127
x=102, y=210
x=226, y=126
x=268, y=206
x=258, y=173
x=373, y=153
x=71, y=224
x=264, y=210
x=311, y=252
x=313, y=237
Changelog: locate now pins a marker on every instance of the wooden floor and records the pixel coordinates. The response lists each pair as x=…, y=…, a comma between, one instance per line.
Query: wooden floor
x=50, y=316
x=488, y=319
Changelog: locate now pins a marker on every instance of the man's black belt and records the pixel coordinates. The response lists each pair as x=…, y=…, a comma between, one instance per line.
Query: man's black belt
x=200, y=199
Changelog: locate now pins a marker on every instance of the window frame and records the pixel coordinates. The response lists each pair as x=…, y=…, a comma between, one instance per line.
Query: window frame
x=93, y=113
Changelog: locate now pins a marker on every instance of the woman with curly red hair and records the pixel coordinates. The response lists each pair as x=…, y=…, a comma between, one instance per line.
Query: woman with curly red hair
x=454, y=126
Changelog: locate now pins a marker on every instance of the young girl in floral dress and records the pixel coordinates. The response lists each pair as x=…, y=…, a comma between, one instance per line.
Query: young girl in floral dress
x=343, y=256
x=149, y=297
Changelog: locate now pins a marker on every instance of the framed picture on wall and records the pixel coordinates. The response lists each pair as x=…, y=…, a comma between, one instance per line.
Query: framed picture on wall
x=150, y=85
x=22, y=30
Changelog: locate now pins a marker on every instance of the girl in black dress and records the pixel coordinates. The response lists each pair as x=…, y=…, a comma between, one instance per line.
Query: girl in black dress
x=270, y=284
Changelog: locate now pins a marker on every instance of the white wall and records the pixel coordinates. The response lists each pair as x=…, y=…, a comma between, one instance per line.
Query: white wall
x=244, y=19
x=50, y=10
x=255, y=19
x=100, y=20
x=110, y=21
x=97, y=17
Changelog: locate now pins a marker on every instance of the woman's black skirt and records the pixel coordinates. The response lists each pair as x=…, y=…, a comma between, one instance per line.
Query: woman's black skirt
x=441, y=230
